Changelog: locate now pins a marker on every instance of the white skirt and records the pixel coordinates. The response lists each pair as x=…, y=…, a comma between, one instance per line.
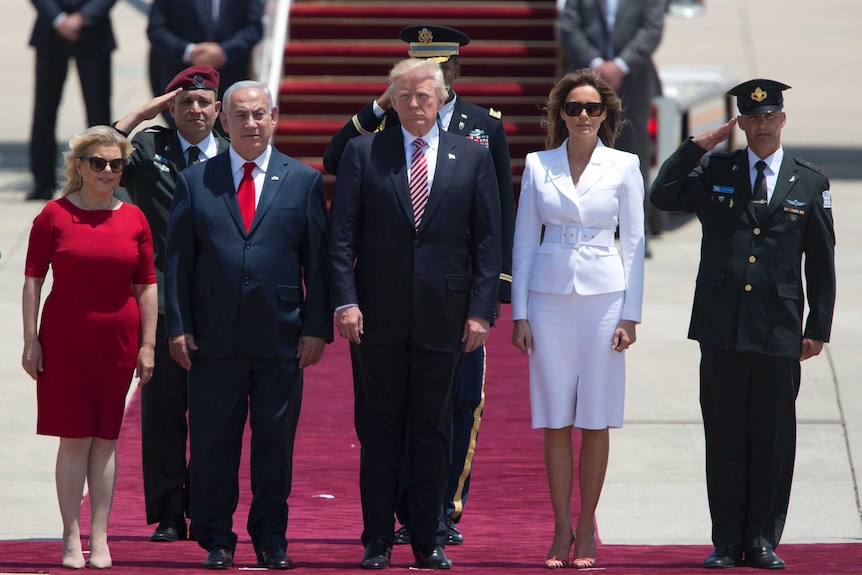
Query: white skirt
x=576, y=378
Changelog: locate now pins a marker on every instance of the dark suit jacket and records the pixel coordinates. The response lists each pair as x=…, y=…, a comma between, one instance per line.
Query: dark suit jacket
x=173, y=24
x=749, y=295
x=465, y=118
x=257, y=292
x=150, y=179
x=637, y=32
x=97, y=34
x=412, y=283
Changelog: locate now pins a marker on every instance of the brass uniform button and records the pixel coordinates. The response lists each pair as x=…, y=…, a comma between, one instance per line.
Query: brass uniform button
x=756, y=231
x=748, y=287
x=751, y=259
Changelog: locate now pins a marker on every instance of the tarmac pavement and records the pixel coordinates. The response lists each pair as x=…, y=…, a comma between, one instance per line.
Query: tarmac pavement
x=655, y=490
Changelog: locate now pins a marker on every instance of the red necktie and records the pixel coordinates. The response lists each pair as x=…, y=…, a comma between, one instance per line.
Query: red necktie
x=245, y=195
x=419, y=190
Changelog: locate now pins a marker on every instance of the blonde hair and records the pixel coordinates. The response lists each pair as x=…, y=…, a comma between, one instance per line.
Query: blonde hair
x=613, y=122
x=426, y=69
x=80, y=146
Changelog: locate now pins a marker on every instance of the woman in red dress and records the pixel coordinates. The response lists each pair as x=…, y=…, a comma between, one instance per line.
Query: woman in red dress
x=98, y=327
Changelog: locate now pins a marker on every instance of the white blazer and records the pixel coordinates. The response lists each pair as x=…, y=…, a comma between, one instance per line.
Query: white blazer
x=578, y=252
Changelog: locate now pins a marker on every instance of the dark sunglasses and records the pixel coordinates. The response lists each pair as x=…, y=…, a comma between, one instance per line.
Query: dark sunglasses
x=593, y=109
x=98, y=164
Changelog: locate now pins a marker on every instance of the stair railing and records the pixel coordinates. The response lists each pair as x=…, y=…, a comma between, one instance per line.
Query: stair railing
x=269, y=53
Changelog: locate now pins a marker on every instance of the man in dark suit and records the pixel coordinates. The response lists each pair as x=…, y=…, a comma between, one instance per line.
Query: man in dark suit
x=80, y=29
x=247, y=304
x=415, y=248
x=159, y=155
x=441, y=44
x=761, y=211
x=220, y=34
x=618, y=38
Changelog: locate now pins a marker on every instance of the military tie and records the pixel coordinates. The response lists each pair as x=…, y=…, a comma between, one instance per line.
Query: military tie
x=759, y=197
x=194, y=155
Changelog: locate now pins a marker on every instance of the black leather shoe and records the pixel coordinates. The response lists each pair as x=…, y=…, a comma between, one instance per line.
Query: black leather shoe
x=402, y=536
x=724, y=557
x=431, y=558
x=377, y=555
x=169, y=530
x=274, y=559
x=36, y=194
x=219, y=558
x=763, y=558
x=454, y=536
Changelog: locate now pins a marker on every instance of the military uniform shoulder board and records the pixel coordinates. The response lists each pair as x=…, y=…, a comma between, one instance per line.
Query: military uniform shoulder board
x=497, y=115
x=809, y=165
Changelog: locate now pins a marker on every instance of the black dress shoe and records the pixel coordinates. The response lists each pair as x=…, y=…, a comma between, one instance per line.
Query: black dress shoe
x=431, y=558
x=377, y=555
x=454, y=536
x=36, y=193
x=763, y=558
x=402, y=536
x=724, y=557
x=219, y=558
x=274, y=559
x=169, y=530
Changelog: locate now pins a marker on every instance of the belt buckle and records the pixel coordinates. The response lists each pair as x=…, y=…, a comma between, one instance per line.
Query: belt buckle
x=570, y=236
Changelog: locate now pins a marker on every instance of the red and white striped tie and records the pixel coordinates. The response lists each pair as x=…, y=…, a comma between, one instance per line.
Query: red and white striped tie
x=419, y=189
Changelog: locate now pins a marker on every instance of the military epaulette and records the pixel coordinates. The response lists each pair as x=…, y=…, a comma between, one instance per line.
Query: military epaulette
x=809, y=165
x=497, y=115
x=155, y=128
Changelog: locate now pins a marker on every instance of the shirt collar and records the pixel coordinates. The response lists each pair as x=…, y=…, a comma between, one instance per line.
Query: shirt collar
x=773, y=161
x=237, y=161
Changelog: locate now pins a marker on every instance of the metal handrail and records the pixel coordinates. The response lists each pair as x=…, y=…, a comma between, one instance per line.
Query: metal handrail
x=269, y=53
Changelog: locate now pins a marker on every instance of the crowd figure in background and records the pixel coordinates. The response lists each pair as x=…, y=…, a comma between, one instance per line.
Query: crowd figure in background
x=159, y=155
x=442, y=45
x=576, y=298
x=398, y=227
x=761, y=211
x=216, y=33
x=243, y=327
x=617, y=38
x=104, y=293
x=64, y=29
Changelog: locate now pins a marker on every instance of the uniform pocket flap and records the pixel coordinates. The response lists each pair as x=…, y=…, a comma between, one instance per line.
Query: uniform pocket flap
x=457, y=283
x=788, y=291
x=290, y=293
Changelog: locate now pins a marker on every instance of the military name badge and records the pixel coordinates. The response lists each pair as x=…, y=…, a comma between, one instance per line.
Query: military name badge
x=827, y=200
x=161, y=163
x=723, y=193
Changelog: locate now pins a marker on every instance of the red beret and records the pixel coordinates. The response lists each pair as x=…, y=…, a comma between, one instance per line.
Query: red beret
x=195, y=78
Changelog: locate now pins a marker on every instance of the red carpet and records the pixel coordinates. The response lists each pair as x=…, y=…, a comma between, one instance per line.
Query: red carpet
x=507, y=521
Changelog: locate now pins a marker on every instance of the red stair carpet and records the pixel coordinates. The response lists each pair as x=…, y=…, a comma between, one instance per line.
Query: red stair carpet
x=339, y=55
x=507, y=521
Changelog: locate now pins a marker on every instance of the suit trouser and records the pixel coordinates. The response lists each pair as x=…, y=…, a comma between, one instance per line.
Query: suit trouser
x=748, y=403
x=406, y=386
x=52, y=67
x=468, y=404
x=222, y=392
x=164, y=432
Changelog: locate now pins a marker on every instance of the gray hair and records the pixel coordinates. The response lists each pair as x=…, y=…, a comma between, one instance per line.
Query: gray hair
x=242, y=84
x=426, y=69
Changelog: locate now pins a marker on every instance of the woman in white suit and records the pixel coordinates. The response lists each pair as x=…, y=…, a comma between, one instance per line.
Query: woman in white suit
x=576, y=297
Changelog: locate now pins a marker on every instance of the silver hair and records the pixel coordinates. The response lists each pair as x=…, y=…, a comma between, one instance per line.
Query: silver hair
x=426, y=68
x=242, y=84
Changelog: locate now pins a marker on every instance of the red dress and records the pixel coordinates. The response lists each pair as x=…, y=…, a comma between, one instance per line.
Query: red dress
x=90, y=320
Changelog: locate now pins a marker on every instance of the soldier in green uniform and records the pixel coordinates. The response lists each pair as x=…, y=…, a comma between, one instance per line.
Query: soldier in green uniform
x=761, y=211
x=159, y=155
x=485, y=126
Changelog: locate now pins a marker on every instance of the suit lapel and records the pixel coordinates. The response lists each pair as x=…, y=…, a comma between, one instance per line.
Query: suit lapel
x=447, y=160
x=460, y=123
x=396, y=163
x=173, y=152
x=222, y=175
x=600, y=164
x=785, y=181
x=274, y=178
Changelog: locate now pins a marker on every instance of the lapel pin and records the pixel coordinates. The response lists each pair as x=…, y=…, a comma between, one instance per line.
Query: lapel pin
x=460, y=125
x=274, y=178
x=734, y=168
x=793, y=178
x=451, y=156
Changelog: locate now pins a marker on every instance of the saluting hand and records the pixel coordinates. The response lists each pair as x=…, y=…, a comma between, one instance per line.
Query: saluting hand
x=711, y=138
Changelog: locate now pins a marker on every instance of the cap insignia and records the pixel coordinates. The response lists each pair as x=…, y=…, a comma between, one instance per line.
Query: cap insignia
x=425, y=36
x=758, y=95
x=198, y=81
